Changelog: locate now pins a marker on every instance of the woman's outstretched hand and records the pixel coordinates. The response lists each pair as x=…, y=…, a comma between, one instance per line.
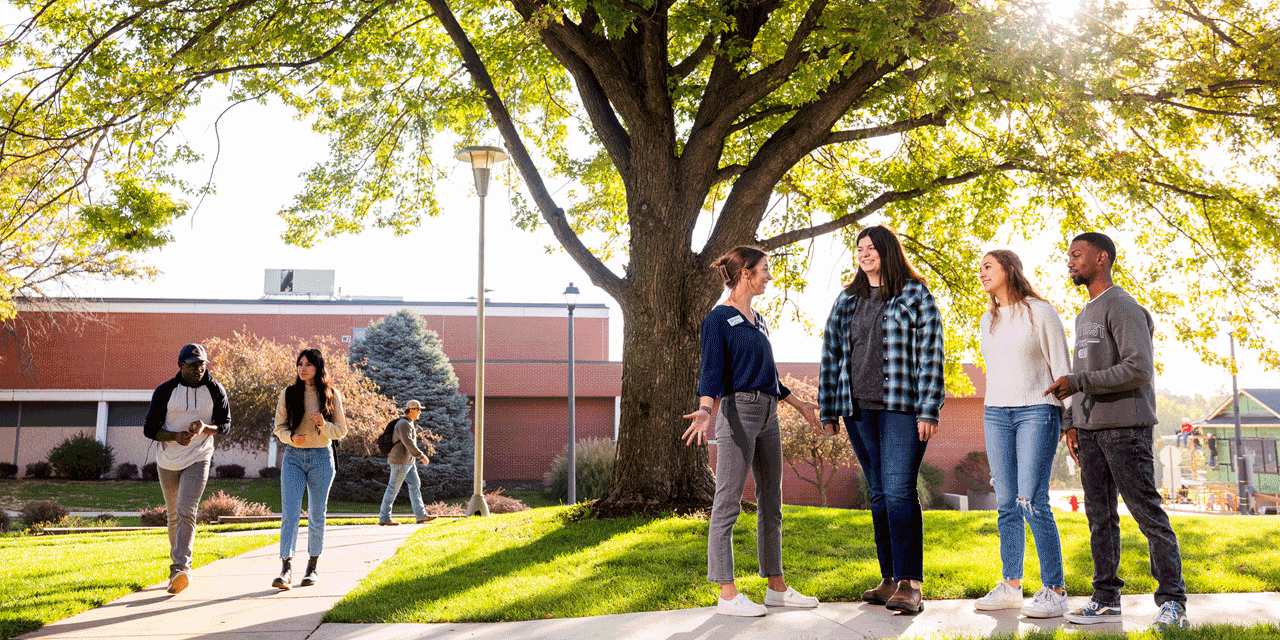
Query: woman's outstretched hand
x=697, y=431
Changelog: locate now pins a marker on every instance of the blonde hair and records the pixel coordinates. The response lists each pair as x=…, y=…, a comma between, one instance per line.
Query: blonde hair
x=1016, y=284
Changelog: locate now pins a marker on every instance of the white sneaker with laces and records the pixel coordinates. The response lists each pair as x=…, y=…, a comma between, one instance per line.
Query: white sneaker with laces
x=740, y=606
x=788, y=598
x=1046, y=603
x=1003, y=596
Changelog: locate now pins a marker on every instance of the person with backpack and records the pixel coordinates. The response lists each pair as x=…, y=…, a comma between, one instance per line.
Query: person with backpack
x=400, y=442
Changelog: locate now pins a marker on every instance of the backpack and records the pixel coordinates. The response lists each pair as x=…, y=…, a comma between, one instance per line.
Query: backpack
x=385, y=441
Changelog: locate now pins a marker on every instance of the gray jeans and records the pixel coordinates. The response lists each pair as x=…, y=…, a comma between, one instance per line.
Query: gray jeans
x=746, y=437
x=1120, y=461
x=182, y=491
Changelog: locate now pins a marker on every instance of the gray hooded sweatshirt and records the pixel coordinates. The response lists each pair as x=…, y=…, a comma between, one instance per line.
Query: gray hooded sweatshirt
x=1113, y=366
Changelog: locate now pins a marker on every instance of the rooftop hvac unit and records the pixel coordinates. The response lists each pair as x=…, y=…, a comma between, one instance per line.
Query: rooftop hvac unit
x=298, y=282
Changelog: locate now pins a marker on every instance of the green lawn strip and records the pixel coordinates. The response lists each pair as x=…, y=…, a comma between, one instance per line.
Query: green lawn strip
x=532, y=565
x=131, y=495
x=48, y=578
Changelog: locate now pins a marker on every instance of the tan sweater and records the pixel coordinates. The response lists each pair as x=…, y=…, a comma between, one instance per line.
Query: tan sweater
x=313, y=437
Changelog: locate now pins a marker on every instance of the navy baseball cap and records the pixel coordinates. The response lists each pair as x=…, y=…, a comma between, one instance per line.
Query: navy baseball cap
x=192, y=353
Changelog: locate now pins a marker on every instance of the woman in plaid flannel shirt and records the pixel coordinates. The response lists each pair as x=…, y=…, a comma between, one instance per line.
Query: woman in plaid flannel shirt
x=881, y=373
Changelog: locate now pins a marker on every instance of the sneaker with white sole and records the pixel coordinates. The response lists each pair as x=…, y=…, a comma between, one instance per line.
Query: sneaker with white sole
x=1003, y=596
x=1094, y=613
x=788, y=598
x=740, y=606
x=1172, y=614
x=1046, y=603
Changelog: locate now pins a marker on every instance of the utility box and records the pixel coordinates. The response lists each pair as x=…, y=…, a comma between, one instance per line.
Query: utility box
x=302, y=282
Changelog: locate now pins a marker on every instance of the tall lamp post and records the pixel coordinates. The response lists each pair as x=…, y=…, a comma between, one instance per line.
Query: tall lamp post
x=571, y=301
x=482, y=160
x=1242, y=485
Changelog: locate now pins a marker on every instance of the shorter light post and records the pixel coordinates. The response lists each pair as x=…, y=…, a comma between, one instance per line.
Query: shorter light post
x=571, y=301
x=1242, y=484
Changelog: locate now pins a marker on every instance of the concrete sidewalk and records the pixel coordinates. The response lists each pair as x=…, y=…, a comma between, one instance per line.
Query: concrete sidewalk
x=838, y=620
x=232, y=599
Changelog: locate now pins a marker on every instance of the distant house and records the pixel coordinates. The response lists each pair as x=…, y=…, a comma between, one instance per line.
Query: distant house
x=1259, y=429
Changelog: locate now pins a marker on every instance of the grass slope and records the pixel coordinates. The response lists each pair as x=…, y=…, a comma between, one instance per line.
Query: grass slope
x=48, y=578
x=533, y=564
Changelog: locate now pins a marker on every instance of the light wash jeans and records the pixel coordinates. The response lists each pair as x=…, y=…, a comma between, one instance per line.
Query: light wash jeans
x=399, y=474
x=309, y=470
x=182, y=491
x=747, y=440
x=1021, y=443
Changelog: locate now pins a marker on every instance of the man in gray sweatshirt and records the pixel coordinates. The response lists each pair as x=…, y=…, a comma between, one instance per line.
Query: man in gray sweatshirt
x=402, y=458
x=1109, y=435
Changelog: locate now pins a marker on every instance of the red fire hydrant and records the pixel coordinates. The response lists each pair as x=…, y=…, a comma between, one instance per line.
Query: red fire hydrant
x=1074, y=502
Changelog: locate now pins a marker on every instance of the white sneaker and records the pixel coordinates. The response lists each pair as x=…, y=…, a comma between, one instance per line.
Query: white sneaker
x=788, y=598
x=1046, y=603
x=1003, y=596
x=740, y=606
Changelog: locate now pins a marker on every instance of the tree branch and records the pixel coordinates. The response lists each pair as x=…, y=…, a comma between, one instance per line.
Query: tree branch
x=700, y=53
x=937, y=119
x=554, y=215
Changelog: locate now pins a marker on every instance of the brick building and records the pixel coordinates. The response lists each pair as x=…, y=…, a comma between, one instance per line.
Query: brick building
x=98, y=378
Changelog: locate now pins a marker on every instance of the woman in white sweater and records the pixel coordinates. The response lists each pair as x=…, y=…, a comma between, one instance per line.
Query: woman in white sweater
x=1025, y=349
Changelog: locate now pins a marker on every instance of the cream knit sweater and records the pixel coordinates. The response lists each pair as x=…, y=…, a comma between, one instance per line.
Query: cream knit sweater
x=1024, y=354
x=313, y=437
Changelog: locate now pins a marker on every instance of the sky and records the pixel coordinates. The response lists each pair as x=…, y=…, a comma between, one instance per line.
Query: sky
x=222, y=249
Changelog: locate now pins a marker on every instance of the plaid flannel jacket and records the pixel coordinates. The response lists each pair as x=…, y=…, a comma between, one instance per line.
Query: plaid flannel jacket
x=913, y=379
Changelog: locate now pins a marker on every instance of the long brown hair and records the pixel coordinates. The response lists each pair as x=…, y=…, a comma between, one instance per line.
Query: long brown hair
x=739, y=259
x=295, y=402
x=895, y=267
x=1015, y=282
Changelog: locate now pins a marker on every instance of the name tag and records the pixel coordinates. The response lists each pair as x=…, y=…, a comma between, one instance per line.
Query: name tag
x=736, y=320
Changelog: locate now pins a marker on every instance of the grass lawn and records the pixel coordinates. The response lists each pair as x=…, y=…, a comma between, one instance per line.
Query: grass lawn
x=533, y=564
x=48, y=578
x=131, y=495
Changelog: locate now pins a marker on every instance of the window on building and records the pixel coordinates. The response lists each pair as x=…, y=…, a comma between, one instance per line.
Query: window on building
x=1264, y=453
x=59, y=414
x=127, y=414
x=357, y=333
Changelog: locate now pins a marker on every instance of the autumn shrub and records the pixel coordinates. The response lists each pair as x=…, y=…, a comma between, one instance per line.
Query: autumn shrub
x=593, y=468
x=229, y=471
x=974, y=471
x=126, y=471
x=269, y=472
x=221, y=503
x=153, y=517
x=39, y=470
x=81, y=457
x=814, y=456
x=446, y=509
x=43, y=512
x=8, y=470
x=499, y=503
x=150, y=471
x=5, y=521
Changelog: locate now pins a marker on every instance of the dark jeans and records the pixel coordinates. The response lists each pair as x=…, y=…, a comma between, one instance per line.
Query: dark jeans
x=889, y=449
x=1120, y=460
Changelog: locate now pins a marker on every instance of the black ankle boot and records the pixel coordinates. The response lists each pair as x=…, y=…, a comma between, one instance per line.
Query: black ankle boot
x=311, y=577
x=286, y=575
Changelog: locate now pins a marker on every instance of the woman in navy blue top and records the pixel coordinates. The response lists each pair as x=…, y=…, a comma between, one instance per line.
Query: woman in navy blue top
x=740, y=387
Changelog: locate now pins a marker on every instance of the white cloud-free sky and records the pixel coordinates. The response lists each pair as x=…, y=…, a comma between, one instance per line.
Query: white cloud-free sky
x=222, y=249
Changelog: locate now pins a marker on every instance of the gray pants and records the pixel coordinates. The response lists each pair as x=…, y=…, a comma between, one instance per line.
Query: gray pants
x=746, y=437
x=182, y=491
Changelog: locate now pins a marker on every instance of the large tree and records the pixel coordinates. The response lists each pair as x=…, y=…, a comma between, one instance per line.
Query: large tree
x=691, y=126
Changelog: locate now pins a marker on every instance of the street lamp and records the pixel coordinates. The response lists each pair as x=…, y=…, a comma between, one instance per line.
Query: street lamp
x=571, y=301
x=1242, y=485
x=482, y=160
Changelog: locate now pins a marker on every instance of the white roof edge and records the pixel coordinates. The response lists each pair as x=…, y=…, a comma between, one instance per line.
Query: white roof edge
x=75, y=395
x=312, y=308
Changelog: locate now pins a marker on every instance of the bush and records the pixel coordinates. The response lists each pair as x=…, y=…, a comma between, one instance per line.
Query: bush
x=221, y=503
x=364, y=479
x=593, y=468
x=5, y=522
x=974, y=471
x=42, y=512
x=229, y=471
x=39, y=470
x=929, y=483
x=269, y=472
x=126, y=471
x=154, y=517
x=150, y=471
x=81, y=457
x=499, y=503
x=8, y=470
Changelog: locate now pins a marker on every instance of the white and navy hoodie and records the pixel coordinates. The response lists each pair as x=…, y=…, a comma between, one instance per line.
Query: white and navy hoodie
x=174, y=406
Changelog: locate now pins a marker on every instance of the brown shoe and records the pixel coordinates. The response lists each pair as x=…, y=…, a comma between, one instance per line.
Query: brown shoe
x=907, y=598
x=425, y=519
x=882, y=593
x=388, y=523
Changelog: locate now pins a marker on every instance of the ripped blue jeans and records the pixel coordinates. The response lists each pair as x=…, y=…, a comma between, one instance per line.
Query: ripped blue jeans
x=1021, y=443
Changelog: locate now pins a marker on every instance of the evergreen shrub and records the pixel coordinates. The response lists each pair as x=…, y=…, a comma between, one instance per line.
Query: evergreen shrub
x=150, y=471
x=5, y=521
x=39, y=470
x=81, y=457
x=8, y=470
x=593, y=469
x=43, y=512
x=126, y=471
x=269, y=472
x=229, y=471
